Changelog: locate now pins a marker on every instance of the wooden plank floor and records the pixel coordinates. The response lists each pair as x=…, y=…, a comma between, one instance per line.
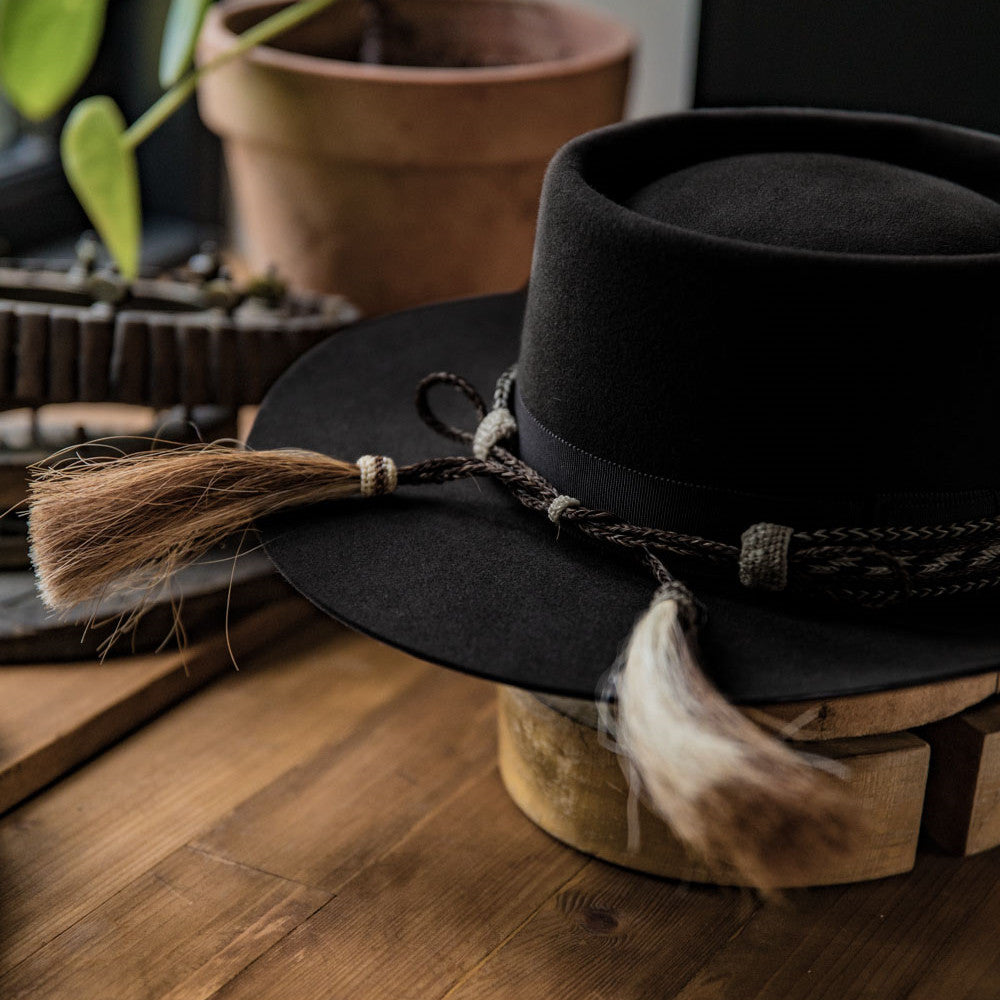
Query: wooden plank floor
x=328, y=823
x=56, y=715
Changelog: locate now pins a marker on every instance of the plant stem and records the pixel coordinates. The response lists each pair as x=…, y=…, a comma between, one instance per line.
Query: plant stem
x=375, y=32
x=158, y=113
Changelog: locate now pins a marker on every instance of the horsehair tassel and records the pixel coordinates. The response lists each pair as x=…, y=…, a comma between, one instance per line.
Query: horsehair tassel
x=740, y=799
x=98, y=526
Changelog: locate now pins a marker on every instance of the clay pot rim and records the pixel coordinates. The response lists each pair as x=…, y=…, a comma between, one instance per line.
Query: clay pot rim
x=621, y=42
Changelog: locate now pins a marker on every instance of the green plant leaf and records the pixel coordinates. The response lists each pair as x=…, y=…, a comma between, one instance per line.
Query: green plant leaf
x=101, y=168
x=46, y=50
x=180, y=33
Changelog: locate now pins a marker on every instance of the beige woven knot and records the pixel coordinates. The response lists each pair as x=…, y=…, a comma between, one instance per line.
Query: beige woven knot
x=764, y=556
x=378, y=475
x=558, y=507
x=497, y=425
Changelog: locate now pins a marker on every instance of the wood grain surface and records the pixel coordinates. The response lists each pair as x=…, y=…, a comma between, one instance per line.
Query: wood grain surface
x=329, y=823
x=52, y=717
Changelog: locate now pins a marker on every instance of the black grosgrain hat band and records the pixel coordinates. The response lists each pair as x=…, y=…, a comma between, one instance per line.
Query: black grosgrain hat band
x=869, y=567
x=658, y=502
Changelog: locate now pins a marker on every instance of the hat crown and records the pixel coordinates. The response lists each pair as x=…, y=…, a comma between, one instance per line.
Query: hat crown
x=838, y=371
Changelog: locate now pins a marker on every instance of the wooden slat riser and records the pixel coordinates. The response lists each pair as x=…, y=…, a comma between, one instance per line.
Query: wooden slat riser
x=963, y=789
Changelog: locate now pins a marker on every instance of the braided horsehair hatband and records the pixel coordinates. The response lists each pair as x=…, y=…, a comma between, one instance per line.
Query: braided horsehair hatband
x=866, y=567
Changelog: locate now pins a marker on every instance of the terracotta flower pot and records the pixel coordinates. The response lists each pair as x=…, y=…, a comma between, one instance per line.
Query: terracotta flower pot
x=396, y=185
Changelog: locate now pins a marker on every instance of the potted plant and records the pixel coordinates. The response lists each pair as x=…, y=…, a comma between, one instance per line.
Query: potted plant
x=47, y=48
x=96, y=335
x=390, y=152
x=414, y=177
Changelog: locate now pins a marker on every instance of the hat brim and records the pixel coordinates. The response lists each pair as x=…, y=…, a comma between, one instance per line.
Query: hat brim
x=463, y=576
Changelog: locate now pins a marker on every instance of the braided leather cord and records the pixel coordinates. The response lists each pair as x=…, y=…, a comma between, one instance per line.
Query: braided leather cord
x=867, y=567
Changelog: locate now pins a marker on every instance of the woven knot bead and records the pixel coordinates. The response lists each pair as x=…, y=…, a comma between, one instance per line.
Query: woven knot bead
x=674, y=590
x=558, y=507
x=689, y=609
x=378, y=475
x=764, y=556
x=495, y=426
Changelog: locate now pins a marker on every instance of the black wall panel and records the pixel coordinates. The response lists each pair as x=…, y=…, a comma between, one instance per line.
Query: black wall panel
x=935, y=58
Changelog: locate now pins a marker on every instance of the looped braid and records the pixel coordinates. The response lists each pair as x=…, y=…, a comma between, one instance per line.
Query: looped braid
x=868, y=567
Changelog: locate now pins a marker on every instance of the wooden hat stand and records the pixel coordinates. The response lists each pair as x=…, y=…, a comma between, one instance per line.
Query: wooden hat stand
x=925, y=756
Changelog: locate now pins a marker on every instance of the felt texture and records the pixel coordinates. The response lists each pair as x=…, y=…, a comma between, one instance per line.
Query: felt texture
x=816, y=381
x=463, y=576
x=821, y=201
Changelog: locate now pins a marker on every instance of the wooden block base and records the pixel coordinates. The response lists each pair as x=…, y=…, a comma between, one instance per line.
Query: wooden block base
x=563, y=777
x=963, y=789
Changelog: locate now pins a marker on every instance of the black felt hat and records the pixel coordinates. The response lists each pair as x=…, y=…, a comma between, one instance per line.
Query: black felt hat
x=753, y=378
x=733, y=317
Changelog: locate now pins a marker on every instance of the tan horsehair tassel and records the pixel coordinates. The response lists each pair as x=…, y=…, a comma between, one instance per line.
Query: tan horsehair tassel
x=740, y=799
x=100, y=526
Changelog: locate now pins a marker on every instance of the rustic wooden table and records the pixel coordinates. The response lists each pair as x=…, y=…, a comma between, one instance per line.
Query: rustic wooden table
x=328, y=822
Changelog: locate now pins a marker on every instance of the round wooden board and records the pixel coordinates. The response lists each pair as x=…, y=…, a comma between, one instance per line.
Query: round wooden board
x=877, y=712
x=562, y=776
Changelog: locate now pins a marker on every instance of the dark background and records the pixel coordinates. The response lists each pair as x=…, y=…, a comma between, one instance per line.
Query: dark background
x=935, y=58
